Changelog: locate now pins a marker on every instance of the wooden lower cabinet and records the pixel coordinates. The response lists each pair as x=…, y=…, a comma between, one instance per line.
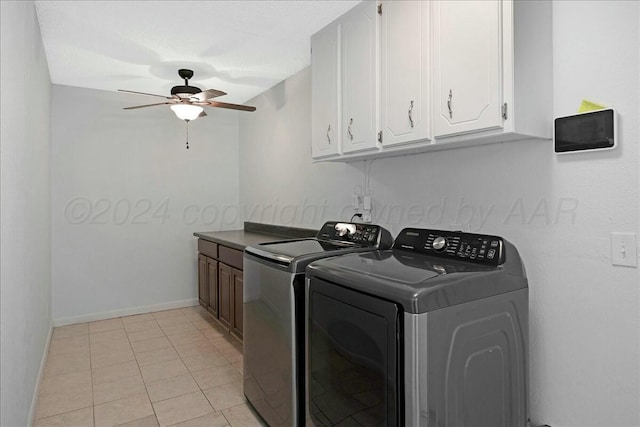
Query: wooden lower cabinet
x=212, y=285
x=208, y=283
x=220, y=289
x=236, y=303
x=230, y=298
x=203, y=291
x=225, y=274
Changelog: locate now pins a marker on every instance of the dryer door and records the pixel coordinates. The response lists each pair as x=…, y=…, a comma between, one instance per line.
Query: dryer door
x=353, y=363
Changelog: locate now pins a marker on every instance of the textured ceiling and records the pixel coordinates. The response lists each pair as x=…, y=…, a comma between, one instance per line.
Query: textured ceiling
x=240, y=47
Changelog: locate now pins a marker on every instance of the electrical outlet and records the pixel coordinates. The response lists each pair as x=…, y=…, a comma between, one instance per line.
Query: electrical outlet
x=366, y=217
x=355, y=202
x=366, y=203
x=624, y=249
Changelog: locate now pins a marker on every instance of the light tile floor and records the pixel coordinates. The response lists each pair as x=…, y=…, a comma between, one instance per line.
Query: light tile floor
x=169, y=368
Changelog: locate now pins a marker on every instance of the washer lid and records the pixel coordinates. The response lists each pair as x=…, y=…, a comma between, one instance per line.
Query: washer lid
x=418, y=282
x=334, y=238
x=295, y=255
x=284, y=252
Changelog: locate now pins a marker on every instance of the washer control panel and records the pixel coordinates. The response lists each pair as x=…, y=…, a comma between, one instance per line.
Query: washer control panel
x=362, y=234
x=478, y=248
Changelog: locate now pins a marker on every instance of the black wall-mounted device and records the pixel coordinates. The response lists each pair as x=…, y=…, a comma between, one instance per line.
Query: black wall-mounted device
x=592, y=130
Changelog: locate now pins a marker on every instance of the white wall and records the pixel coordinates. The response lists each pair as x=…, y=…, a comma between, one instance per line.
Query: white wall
x=278, y=182
x=558, y=210
x=127, y=197
x=25, y=216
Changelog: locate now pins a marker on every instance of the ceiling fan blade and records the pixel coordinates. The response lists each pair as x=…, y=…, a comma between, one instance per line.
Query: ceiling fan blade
x=147, y=105
x=143, y=93
x=231, y=106
x=207, y=94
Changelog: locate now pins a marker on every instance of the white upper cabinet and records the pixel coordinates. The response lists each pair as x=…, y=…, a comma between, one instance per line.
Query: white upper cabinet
x=467, y=66
x=492, y=71
x=415, y=76
x=359, y=63
x=405, y=31
x=325, y=95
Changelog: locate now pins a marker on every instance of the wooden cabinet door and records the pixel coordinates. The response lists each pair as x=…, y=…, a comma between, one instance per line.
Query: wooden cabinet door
x=359, y=77
x=467, y=66
x=225, y=281
x=236, y=304
x=325, y=133
x=203, y=291
x=212, y=285
x=405, y=71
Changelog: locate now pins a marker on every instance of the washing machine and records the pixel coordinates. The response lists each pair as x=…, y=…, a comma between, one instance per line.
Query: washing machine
x=433, y=332
x=274, y=314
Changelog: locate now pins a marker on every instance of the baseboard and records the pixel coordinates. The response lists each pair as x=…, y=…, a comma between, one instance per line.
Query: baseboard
x=124, y=312
x=36, y=390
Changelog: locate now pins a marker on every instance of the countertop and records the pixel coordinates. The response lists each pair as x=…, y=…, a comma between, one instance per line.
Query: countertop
x=253, y=234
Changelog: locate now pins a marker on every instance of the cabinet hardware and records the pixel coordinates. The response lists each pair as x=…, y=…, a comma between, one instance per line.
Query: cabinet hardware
x=504, y=111
x=380, y=9
x=380, y=137
x=411, y=113
x=349, y=130
x=329, y=137
x=449, y=103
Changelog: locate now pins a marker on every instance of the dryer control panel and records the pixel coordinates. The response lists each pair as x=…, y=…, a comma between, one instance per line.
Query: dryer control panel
x=478, y=248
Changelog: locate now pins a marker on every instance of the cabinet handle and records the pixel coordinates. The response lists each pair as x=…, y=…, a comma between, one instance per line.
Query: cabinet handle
x=328, y=137
x=349, y=130
x=449, y=103
x=411, y=113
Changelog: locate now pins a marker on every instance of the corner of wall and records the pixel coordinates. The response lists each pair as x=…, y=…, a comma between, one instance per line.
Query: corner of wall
x=36, y=391
x=25, y=212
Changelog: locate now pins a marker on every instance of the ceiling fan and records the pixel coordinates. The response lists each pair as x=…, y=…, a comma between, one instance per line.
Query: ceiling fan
x=187, y=101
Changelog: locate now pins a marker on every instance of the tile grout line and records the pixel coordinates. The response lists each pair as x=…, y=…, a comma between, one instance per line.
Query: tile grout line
x=221, y=411
x=62, y=413
x=140, y=370
x=190, y=373
x=193, y=315
x=208, y=339
x=35, y=420
x=181, y=360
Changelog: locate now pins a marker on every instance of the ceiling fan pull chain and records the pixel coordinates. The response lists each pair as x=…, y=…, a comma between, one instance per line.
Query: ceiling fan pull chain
x=187, y=125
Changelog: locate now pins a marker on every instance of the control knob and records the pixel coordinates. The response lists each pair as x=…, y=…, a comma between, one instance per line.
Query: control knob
x=439, y=243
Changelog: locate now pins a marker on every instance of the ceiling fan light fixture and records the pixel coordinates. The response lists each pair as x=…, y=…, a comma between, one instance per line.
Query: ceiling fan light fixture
x=187, y=111
x=186, y=100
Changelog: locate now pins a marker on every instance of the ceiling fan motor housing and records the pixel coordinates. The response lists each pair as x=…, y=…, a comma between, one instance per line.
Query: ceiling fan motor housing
x=186, y=89
x=185, y=74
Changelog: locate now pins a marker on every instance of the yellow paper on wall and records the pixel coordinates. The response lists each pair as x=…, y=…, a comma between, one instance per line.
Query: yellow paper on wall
x=589, y=106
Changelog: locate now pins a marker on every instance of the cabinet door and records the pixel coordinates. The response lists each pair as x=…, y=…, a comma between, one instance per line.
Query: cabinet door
x=203, y=291
x=467, y=66
x=405, y=71
x=236, y=304
x=325, y=131
x=225, y=279
x=212, y=285
x=359, y=65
